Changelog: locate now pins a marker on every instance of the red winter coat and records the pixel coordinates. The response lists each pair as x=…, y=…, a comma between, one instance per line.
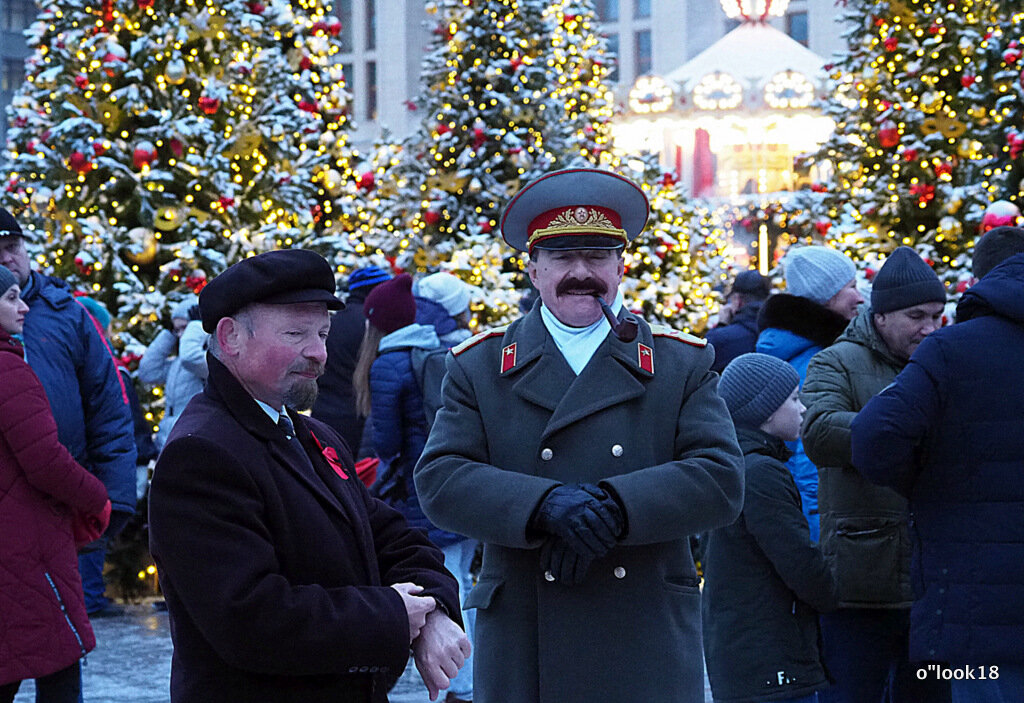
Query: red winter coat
x=43, y=625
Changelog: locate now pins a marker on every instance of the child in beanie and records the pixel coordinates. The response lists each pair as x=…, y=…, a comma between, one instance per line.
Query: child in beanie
x=765, y=581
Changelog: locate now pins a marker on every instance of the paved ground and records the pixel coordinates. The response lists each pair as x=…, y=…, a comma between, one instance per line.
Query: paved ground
x=132, y=663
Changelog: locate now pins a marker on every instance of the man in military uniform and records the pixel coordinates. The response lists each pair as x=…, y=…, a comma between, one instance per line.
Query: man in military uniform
x=583, y=462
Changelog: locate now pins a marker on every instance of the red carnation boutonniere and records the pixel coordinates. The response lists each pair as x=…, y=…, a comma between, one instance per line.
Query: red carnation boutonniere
x=331, y=456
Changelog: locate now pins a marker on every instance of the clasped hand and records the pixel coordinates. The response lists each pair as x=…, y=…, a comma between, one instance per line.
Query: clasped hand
x=584, y=516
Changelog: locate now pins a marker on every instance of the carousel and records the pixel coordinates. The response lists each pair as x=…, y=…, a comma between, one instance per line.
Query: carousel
x=730, y=121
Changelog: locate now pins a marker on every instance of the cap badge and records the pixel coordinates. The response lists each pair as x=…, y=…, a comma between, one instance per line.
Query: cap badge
x=645, y=357
x=508, y=357
x=581, y=214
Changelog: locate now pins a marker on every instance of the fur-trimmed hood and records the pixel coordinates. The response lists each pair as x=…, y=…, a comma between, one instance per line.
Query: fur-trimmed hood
x=802, y=317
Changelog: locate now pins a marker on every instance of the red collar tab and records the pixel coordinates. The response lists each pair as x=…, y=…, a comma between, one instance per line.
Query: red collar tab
x=508, y=357
x=645, y=357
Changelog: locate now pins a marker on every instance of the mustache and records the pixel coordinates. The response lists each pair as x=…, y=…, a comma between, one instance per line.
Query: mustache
x=311, y=367
x=588, y=286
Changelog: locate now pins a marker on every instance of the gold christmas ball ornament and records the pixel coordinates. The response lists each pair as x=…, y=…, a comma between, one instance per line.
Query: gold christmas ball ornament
x=930, y=102
x=142, y=246
x=175, y=72
x=950, y=227
x=167, y=219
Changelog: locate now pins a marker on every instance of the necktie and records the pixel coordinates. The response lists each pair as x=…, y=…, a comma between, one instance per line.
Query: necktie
x=285, y=423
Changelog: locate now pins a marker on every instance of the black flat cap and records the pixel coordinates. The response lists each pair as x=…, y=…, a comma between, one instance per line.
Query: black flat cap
x=272, y=278
x=8, y=225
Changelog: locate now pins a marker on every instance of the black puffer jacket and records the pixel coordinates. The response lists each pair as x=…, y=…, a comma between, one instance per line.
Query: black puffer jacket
x=765, y=583
x=863, y=526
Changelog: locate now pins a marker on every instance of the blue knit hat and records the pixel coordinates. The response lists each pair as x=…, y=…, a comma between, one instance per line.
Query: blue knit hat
x=367, y=276
x=7, y=279
x=754, y=386
x=905, y=280
x=817, y=273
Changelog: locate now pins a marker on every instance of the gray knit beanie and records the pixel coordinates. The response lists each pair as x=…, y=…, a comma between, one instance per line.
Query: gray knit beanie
x=817, y=273
x=754, y=386
x=7, y=279
x=905, y=280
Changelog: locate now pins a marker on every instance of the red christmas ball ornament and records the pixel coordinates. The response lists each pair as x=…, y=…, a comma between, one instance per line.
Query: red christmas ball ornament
x=944, y=169
x=961, y=286
x=144, y=155
x=305, y=63
x=515, y=62
x=79, y=162
x=967, y=80
x=891, y=44
x=256, y=8
x=888, y=134
x=924, y=192
x=196, y=282
x=935, y=29
x=910, y=154
x=319, y=27
x=1011, y=56
x=317, y=211
x=431, y=217
x=144, y=4
x=819, y=188
x=333, y=26
x=485, y=226
x=81, y=81
x=208, y=105
x=869, y=273
x=823, y=226
x=479, y=137
x=225, y=201
x=568, y=18
x=443, y=128
x=99, y=148
x=177, y=148
x=366, y=180
x=307, y=106
x=1001, y=213
x=668, y=179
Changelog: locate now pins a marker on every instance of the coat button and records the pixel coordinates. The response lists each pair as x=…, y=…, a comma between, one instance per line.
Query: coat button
x=616, y=450
x=548, y=576
x=620, y=572
x=546, y=454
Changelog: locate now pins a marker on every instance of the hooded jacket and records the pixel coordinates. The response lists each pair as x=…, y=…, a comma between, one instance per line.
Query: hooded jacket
x=76, y=368
x=737, y=337
x=794, y=329
x=182, y=374
x=43, y=625
x=863, y=526
x=948, y=433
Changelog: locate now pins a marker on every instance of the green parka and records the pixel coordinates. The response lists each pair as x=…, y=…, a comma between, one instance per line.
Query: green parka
x=863, y=526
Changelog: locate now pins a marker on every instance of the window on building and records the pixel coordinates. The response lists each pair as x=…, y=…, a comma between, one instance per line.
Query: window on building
x=607, y=10
x=343, y=9
x=796, y=26
x=612, y=54
x=641, y=9
x=16, y=15
x=349, y=77
x=371, y=24
x=642, y=52
x=371, y=90
x=12, y=74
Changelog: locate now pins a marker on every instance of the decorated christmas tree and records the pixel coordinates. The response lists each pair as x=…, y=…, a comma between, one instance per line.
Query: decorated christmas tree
x=154, y=144
x=925, y=101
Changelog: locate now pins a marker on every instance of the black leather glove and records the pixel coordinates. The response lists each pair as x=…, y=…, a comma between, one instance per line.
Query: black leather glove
x=560, y=563
x=194, y=314
x=588, y=524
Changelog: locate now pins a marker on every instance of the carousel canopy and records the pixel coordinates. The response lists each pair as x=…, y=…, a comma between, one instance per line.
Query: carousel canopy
x=752, y=54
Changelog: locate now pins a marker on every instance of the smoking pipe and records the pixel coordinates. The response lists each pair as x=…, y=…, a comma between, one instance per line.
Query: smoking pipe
x=626, y=328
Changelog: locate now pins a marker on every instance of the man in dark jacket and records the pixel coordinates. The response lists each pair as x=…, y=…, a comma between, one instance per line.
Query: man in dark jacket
x=285, y=581
x=948, y=434
x=821, y=298
x=863, y=526
x=736, y=332
x=89, y=402
x=583, y=460
x=335, y=403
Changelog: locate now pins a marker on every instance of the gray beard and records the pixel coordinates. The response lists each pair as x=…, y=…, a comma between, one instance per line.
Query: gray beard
x=301, y=395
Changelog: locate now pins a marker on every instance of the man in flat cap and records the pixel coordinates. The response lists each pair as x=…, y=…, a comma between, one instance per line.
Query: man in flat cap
x=285, y=581
x=583, y=459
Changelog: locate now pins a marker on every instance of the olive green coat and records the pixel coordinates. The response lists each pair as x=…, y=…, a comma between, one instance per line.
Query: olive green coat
x=658, y=435
x=863, y=526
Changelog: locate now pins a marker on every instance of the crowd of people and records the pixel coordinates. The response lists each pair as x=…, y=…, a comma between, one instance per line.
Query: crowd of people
x=820, y=501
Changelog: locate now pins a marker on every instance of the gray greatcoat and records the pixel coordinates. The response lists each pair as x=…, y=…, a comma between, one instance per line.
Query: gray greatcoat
x=517, y=422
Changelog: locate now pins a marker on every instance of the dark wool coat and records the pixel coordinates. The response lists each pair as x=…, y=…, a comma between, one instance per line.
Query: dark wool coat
x=657, y=435
x=863, y=526
x=737, y=337
x=43, y=625
x=88, y=401
x=949, y=434
x=336, y=404
x=276, y=567
x=794, y=329
x=764, y=584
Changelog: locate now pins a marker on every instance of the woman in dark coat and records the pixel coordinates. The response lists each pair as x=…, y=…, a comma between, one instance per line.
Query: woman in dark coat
x=765, y=580
x=45, y=631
